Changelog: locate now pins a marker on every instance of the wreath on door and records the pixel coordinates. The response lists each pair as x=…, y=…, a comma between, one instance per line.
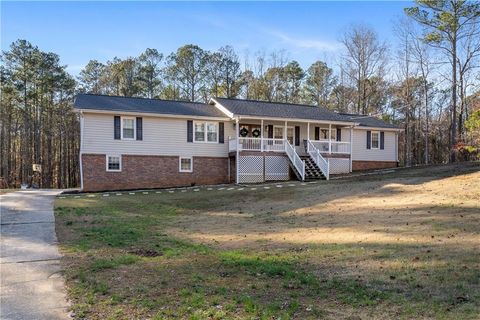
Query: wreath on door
x=256, y=133
x=243, y=132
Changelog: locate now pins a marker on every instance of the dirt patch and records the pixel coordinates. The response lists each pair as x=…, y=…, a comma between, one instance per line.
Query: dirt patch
x=400, y=210
x=146, y=253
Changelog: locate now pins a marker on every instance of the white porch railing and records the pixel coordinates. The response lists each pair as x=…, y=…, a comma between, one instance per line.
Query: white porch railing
x=256, y=144
x=298, y=163
x=326, y=146
x=320, y=161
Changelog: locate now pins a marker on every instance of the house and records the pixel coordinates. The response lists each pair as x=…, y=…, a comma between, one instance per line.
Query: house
x=134, y=143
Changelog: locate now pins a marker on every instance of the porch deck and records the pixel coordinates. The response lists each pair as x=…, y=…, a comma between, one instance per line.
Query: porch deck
x=326, y=147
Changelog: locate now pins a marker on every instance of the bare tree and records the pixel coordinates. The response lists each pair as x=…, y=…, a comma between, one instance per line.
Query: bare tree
x=447, y=23
x=364, y=58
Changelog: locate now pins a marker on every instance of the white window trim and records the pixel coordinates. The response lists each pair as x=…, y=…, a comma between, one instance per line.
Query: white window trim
x=120, y=163
x=134, y=127
x=371, y=140
x=283, y=132
x=180, y=164
x=333, y=134
x=205, y=134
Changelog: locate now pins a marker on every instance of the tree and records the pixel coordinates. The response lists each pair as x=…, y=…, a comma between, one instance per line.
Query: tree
x=364, y=58
x=421, y=56
x=91, y=77
x=446, y=24
x=150, y=72
x=319, y=83
x=230, y=72
x=38, y=125
x=291, y=77
x=188, y=67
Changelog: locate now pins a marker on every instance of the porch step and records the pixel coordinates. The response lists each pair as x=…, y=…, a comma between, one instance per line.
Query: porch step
x=312, y=171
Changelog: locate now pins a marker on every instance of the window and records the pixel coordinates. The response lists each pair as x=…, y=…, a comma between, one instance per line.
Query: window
x=375, y=139
x=114, y=163
x=324, y=134
x=128, y=128
x=211, y=132
x=186, y=164
x=206, y=132
x=278, y=133
x=290, y=134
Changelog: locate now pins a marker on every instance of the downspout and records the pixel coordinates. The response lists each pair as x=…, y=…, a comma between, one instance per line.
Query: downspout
x=351, y=148
x=237, y=160
x=81, y=150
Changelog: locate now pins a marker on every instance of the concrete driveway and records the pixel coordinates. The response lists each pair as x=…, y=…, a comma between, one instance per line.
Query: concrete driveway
x=32, y=286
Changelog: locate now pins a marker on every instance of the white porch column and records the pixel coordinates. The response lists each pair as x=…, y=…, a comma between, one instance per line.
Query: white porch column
x=351, y=141
x=237, y=161
x=261, y=135
x=329, y=138
x=285, y=131
x=308, y=135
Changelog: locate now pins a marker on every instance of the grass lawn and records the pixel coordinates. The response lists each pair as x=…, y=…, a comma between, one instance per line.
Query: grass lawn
x=5, y=191
x=403, y=245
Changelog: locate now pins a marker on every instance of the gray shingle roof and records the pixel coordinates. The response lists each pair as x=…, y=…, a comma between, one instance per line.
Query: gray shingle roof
x=155, y=106
x=236, y=106
x=279, y=110
x=368, y=121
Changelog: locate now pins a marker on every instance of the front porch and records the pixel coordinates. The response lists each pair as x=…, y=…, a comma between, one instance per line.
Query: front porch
x=270, y=136
x=313, y=150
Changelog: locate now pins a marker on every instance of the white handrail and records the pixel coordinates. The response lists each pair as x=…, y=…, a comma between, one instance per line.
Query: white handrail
x=330, y=146
x=298, y=163
x=257, y=144
x=319, y=160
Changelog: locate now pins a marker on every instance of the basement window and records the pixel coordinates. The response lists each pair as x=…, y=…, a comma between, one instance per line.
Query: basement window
x=114, y=163
x=186, y=164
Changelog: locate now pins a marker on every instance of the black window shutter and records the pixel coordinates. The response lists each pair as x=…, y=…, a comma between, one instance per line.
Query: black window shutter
x=297, y=135
x=189, y=131
x=317, y=133
x=339, y=134
x=270, y=131
x=116, y=127
x=221, y=132
x=139, y=128
x=369, y=139
x=382, y=140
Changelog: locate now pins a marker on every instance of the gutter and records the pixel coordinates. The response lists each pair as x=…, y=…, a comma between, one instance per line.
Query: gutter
x=154, y=115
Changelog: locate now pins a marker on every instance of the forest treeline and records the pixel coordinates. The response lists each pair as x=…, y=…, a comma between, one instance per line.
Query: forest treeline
x=428, y=83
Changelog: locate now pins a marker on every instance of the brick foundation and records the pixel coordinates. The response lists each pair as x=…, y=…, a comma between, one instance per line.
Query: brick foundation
x=370, y=165
x=143, y=172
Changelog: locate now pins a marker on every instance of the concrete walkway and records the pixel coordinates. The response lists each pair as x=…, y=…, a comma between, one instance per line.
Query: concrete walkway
x=32, y=286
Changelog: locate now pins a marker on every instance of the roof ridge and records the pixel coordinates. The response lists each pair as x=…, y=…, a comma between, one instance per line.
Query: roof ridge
x=140, y=98
x=274, y=102
x=353, y=114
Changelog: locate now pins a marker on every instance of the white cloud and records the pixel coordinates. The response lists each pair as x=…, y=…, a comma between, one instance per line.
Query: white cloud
x=306, y=43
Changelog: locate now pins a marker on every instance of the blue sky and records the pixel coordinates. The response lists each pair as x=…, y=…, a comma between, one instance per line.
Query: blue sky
x=80, y=31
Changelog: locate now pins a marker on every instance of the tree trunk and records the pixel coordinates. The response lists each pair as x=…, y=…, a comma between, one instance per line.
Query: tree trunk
x=453, y=129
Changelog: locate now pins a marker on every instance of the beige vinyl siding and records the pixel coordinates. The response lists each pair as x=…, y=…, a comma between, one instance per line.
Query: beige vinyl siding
x=161, y=136
x=360, y=151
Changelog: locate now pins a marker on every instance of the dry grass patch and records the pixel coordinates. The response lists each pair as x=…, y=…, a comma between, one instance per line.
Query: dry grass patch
x=403, y=245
